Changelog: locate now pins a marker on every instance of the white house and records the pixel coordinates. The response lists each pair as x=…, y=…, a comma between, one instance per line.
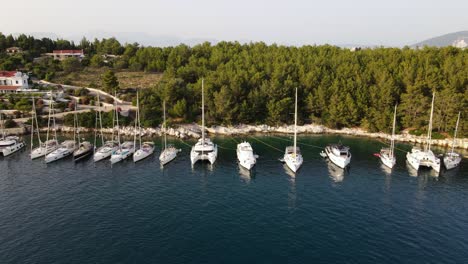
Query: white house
x=460, y=43
x=63, y=54
x=13, y=81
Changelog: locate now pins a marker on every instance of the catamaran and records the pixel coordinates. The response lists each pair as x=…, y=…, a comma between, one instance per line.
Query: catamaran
x=146, y=148
x=9, y=144
x=85, y=148
x=453, y=159
x=169, y=152
x=247, y=159
x=426, y=157
x=204, y=149
x=292, y=156
x=387, y=155
x=107, y=147
x=125, y=149
x=49, y=145
x=338, y=154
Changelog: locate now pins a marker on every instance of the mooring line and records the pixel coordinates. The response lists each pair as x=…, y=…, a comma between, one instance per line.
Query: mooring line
x=273, y=147
x=300, y=143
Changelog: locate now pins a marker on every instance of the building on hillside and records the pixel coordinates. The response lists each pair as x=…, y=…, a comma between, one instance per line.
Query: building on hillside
x=13, y=82
x=13, y=50
x=64, y=54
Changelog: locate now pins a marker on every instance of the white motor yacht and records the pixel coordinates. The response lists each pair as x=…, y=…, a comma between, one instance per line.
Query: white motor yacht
x=66, y=149
x=338, y=154
x=245, y=155
x=10, y=144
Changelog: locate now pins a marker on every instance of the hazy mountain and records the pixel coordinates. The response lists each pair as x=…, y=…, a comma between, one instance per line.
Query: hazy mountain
x=444, y=40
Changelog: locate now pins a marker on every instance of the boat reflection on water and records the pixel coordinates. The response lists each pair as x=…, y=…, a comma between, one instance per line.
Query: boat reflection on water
x=387, y=170
x=336, y=173
x=288, y=171
x=411, y=170
x=245, y=174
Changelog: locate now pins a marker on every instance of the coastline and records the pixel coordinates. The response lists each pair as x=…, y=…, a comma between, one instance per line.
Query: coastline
x=186, y=131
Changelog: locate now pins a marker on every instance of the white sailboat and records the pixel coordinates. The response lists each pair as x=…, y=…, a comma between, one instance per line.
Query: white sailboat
x=292, y=156
x=107, y=147
x=125, y=149
x=9, y=144
x=453, y=159
x=146, y=148
x=247, y=159
x=204, y=149
x=169, y=152
x=426, y=157
x=387, y=155
x=85, y=148
x=48, y=146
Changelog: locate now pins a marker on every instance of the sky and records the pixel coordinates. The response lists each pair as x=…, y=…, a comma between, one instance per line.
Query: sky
x=293, y=22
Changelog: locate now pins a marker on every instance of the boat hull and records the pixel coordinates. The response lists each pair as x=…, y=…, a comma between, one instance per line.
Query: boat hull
x=141, y=155
x=7, y=151
x=339, y=161
x=293, y=162
x=167, y=156
x=452, y=161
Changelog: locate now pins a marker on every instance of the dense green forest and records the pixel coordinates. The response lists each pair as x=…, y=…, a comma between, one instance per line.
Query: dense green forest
x=254, y=83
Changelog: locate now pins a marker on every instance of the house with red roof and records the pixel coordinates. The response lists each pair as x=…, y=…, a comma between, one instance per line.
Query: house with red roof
x=63, y=54
x=13, y=82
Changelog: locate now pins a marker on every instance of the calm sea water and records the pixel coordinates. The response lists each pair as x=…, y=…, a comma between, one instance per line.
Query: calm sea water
x=140, y=213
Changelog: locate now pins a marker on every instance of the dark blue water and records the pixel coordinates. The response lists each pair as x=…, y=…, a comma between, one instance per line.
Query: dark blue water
x=139, y=213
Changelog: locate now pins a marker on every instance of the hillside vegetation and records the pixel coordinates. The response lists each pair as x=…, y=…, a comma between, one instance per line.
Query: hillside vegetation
x=254, y=83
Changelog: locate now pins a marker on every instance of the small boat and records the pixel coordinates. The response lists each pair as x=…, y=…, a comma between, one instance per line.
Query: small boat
x=66, y=149
x=292, y=155
x=85, y=148
x=245, y=155
x=204, y=149
x=49, y=145
x=9, y=144
x=387, y=155
x=105, y=151
x=146, y=148
x=338, y=154
x=169, y=152
x=107, y=147
x=123, y=152
x=426, y=157
x=453, y=159
x=323, y=154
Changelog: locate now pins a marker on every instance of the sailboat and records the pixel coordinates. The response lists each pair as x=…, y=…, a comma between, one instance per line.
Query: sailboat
x=125, y=149
x=387, y=155
x=49, y=145
x=426, y=157
x=169, y=152
x=204, y=149
x=453, y=159
x=9, y=144
x=146, y=148
x=85, y=148
x=107, y=147
x=292, y=155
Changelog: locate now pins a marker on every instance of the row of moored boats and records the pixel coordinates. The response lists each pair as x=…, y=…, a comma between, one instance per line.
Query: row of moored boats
x=204, y=149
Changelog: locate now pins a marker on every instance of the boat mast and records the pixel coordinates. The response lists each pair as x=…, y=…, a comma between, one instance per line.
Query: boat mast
x=203, y=112
x=117, y=120
x=75, y=123
x=429, y=130
x=137, y=122
x=455, y=134
x=392, y=144
x=164, y=124
x=295, y=126
x=32, y=124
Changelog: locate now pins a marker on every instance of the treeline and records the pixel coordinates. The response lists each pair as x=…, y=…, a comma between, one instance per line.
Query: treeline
x=254, y=83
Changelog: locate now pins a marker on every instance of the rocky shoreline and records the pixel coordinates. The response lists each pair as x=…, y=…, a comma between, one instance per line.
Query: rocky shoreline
x=193, y=131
